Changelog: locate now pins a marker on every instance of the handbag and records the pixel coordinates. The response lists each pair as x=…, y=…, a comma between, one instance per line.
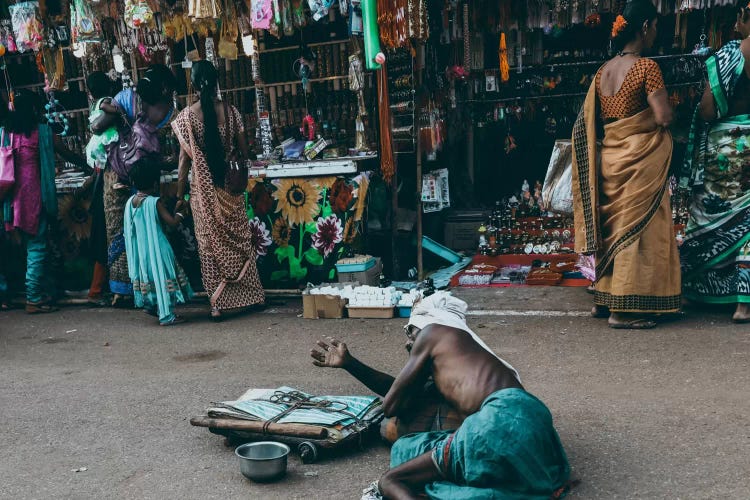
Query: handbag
x=235, y=179
x=7, y=166
x=137, y=141
x=228, y=38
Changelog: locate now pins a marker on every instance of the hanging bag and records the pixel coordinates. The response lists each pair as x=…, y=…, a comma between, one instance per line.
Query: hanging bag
x=7, y=166
x=228, y=38
x=235, y=180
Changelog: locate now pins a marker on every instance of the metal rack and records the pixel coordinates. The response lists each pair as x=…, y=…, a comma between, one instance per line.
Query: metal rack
x=403, y=121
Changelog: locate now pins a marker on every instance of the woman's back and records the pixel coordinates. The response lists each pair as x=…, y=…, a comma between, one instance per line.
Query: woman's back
x=623, y=90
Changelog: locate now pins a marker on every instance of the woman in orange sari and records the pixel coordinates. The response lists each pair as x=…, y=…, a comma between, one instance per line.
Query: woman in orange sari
x=622, y=205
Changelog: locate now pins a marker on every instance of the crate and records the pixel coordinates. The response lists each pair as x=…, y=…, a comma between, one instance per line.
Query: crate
x=403, y=311
x=370, y=312
x=369, y=277
x=363, y=264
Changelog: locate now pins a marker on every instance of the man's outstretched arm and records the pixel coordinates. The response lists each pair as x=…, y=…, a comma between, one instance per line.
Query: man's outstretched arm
x=335, y=354
x=409, y=385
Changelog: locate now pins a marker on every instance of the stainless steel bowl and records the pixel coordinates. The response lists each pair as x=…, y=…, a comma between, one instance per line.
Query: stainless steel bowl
x=263, y=461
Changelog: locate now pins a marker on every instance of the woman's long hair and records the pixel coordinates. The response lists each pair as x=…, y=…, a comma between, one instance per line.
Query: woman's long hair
x=24, y=118
x=635, y=14
x=204, y=80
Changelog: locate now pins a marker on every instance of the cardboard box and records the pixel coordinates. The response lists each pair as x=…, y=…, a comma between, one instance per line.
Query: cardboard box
x=461, y=230
x=370, y=277
x=323, y=306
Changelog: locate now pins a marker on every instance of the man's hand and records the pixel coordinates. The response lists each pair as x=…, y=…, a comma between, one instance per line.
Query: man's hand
x=335, y=354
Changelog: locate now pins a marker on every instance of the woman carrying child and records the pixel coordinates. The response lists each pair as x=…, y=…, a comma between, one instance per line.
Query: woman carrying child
x=159, y=283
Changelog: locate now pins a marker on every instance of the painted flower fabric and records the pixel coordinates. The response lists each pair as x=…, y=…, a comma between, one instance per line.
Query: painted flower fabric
x=259, y=237
x=329, y=234
x=297, y=200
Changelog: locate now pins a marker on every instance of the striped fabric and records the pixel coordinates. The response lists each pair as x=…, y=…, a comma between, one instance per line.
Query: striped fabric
x=334, y=410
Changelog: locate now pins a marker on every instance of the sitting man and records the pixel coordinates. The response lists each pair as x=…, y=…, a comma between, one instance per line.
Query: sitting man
x=506, y=447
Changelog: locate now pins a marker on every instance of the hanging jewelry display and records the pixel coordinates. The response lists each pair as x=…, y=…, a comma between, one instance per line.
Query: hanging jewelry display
x=263, y=130
x=56, y=117
x=467, y=38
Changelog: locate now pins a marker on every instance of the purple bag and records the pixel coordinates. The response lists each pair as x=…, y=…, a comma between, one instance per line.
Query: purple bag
x=7, y=166
x=137, y=141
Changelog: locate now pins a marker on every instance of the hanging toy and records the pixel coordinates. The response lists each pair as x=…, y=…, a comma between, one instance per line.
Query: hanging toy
x=510, y=144
x=55, y=115
x=504, y=66
x=308, y=128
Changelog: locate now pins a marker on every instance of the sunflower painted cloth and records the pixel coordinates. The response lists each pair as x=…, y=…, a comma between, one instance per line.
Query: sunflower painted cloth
x=221, y=224
x=159, y=283
x=509, y=449
x=622, y=208
x=96, y=149
x=716, y=251
x=301, y=226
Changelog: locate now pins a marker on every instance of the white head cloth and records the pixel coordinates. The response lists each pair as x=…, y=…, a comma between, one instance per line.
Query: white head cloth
x=442, y=308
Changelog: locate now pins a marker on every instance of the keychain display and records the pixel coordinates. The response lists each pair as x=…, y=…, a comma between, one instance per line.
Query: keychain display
x=138, y=14
x=27, y=27
x=261, y=13
x=84, y=24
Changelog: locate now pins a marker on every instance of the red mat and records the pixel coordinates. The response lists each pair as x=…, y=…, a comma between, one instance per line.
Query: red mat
x=521, y=260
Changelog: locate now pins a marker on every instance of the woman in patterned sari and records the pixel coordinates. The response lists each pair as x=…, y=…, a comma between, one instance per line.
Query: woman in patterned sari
x=716, y=252
x=622, y=206
x=210, y=132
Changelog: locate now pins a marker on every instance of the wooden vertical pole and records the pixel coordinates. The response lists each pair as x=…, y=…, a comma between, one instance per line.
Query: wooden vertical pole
x=417, y=126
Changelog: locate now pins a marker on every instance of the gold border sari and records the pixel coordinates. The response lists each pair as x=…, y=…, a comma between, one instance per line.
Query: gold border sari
x=622, y=210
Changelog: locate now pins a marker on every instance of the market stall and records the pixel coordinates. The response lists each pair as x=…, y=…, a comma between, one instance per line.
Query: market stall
x=392, y=119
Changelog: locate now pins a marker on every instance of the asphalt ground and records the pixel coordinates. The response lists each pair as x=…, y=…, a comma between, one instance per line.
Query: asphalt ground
x=642, y=414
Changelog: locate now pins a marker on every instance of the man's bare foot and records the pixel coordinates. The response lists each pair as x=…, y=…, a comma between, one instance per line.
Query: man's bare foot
x=741, y=314
x=626, y=321
x=600, y=312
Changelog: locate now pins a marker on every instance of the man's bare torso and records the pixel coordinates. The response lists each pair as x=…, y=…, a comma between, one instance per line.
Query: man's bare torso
x=464, y=372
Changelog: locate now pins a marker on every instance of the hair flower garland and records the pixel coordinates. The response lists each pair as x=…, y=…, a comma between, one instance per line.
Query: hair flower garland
x=619, y=25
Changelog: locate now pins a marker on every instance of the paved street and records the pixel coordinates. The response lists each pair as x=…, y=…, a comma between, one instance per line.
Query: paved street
x=649, y=414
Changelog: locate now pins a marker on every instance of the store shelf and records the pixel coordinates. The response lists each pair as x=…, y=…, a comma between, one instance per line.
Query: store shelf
x=37, y=85
x=296, y=47
x=557, y=96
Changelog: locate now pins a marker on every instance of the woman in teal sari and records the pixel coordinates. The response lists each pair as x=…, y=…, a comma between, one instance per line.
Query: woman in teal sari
x=715, y=256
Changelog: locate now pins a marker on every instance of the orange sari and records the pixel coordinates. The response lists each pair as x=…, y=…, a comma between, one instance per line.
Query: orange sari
x=622, y=211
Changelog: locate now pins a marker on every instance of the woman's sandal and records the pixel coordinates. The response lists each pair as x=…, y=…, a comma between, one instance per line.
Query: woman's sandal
x=600, y=312
x=122, y=301
x=39, y=308
x=634, y=324
x=177, y=320
x=216, y=315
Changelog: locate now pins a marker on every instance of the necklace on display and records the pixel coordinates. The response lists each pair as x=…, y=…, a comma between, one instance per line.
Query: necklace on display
x=634, y=53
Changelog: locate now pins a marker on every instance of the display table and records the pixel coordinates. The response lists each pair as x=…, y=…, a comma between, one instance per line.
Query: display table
x=501, y=261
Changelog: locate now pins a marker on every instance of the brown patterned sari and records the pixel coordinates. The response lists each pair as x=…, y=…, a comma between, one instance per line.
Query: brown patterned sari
x=228, y=269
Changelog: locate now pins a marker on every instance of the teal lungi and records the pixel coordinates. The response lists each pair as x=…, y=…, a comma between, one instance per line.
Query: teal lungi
x=509, y=449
